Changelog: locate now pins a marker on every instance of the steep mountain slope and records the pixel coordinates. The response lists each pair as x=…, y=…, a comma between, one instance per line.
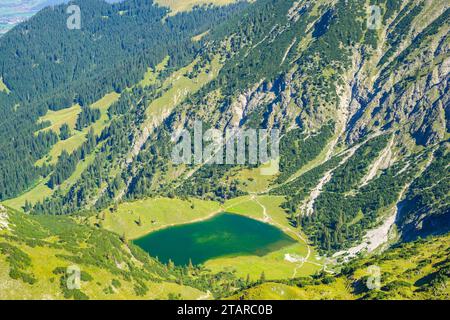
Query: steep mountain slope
x=363, y=114
x=40, y=255
x=83, y=67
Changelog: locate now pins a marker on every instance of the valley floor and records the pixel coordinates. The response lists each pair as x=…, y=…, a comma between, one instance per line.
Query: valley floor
x=299, y=259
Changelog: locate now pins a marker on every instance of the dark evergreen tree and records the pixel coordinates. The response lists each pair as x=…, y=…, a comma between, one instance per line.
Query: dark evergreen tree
x=64, y=132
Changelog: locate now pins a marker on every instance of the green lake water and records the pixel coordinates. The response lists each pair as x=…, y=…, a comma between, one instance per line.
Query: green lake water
x=223, y=235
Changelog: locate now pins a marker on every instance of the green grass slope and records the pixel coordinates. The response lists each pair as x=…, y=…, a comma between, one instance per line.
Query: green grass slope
x=416, y=270
x=35, y=252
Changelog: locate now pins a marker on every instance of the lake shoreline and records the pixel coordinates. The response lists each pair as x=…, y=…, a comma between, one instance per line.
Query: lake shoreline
x=213, y=214
x=224, y=235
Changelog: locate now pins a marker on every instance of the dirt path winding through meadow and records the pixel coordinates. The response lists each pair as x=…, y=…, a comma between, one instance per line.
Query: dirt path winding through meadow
x=268, y=219
x=206, y=296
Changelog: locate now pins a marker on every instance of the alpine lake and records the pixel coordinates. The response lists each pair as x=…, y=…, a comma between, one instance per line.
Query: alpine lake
x=224, y=235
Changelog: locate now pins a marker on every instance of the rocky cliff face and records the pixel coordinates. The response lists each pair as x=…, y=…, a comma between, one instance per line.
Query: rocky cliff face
x=405, y=83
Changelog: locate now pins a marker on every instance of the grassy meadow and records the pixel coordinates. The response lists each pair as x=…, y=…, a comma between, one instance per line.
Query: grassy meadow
x=186, y=5
x=3, y=87
x=136, y=219
x=69, y=116
x=64, y=116
x=154, y=214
